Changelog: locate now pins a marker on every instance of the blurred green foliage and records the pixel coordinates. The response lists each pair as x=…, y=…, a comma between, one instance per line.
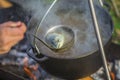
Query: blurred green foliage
x=116, y=21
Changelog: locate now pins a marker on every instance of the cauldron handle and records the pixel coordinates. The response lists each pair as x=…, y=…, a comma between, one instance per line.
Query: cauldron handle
x=37, y=57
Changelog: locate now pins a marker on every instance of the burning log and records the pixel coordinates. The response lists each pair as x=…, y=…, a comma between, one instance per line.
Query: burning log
x=29, y=73
x=5, y=4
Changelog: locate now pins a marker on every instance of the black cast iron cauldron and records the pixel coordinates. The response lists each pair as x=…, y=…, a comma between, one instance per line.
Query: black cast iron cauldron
x=64, y=43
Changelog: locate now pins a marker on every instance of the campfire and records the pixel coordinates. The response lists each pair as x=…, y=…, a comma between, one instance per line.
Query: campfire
x=19, y=63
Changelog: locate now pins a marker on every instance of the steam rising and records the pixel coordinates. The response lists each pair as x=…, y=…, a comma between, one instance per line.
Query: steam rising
x=34, y=6
x=75, y=14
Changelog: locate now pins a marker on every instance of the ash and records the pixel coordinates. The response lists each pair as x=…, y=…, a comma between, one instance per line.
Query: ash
x=114, y=68
x=17, y=61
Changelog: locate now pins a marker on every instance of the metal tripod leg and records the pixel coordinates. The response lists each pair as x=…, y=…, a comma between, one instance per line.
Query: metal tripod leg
x=99, y=39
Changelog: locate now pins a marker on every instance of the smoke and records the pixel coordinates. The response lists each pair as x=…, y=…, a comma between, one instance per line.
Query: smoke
x=75, y=14
x=33, y=6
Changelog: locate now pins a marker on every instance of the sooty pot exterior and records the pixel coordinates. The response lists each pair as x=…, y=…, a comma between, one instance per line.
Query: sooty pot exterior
x=71, y=69
x=74, y=66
